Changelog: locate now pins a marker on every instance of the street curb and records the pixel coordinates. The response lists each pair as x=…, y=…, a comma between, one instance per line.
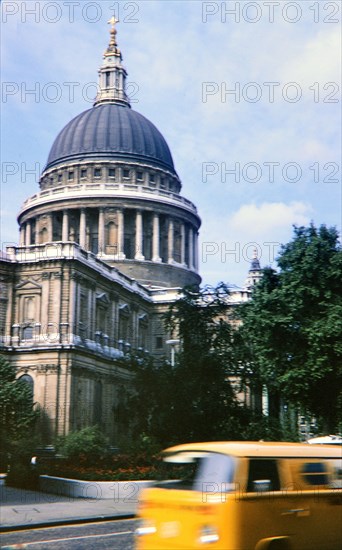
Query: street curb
x=8, y=528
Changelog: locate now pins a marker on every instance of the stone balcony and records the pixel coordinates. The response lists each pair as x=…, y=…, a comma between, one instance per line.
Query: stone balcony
x=109, y=190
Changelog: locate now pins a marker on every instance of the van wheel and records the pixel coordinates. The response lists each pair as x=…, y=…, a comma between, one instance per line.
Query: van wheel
x=276, y=544
x=279, y=545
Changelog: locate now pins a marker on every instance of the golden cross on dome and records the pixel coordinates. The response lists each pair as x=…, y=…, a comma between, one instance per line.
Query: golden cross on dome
x=113, y=21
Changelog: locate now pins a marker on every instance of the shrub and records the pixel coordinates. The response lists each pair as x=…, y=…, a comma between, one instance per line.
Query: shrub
x=89, y=444
x=20, y=472
x=22, y=476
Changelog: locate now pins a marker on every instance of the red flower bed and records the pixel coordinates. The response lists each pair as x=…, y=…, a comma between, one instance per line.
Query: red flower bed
x=115, y=468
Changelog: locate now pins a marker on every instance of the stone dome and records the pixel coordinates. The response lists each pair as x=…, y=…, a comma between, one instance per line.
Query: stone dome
x=110, y=186
x=111, y=131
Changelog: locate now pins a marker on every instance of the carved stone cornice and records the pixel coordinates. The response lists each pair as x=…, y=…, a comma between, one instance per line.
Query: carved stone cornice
x=47, y=368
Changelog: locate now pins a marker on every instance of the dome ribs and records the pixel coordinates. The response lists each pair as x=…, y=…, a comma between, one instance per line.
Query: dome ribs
x=114, y=132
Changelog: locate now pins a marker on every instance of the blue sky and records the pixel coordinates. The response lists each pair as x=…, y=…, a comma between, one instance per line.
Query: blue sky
x=255, y=161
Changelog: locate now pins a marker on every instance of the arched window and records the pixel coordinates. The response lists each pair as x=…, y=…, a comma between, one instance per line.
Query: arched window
x=27, y=379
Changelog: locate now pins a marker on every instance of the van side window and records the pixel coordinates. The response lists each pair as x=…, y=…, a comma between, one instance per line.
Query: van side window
x=336, y=479
x=315, y=473
x=263, y=469
x=215, y=469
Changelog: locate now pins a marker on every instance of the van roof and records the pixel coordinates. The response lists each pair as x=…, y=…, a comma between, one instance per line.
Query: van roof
x=260, y=449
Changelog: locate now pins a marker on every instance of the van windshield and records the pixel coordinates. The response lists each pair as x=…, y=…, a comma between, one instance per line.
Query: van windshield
x=198, y=471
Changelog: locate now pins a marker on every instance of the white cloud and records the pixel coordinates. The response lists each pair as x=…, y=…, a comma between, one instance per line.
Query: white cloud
x=228, y=243
x=317, y=61
x=268, y=219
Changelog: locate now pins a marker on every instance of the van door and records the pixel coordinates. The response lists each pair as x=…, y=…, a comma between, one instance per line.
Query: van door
x=299, y=517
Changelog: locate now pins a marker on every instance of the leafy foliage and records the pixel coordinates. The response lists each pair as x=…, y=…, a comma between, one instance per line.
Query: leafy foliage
x=88, y=443
x=17, y=420
x=292, y=327
x=17, y=416
x=193, y=399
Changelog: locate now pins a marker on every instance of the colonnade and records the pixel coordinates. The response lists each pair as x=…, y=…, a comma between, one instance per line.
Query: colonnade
x=34, y=232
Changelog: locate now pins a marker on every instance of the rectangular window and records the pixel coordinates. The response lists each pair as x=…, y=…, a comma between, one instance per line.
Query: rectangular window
x=70, y=176
x=336, y=479
x=97, y=172
x=262, y=471
x=28, y=332
x=107, y=79
x=159, y=342
x=315, y=473
x=83, y=173
x=111, y=172
x=140, y=176
x=60, y=177
x=152, y=178
x=126, y=173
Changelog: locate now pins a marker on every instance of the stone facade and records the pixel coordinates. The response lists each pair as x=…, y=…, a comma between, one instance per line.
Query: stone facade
x=69, y=320
x=105, y=247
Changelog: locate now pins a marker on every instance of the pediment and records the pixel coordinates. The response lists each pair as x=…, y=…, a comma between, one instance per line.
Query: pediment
x=124, y=309
x=103, y=299
x=30, y=284
x=143, y=318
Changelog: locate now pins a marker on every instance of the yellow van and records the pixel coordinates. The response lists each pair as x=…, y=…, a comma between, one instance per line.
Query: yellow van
x=245, y=496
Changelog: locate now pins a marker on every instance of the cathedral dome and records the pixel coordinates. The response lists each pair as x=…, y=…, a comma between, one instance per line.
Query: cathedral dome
x=111, y=131
x=110, y=186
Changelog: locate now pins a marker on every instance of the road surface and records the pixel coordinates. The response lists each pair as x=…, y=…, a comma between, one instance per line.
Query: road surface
x=114, y=535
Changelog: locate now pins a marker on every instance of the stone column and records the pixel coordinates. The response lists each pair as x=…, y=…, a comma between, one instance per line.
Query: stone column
x=121, y=221
x=28, y=233
x=36, y=235
x=265, y=401
x=83, y=228
x=170, y=240
x=155, y=239
x=72, y=309
x=196, y=251
x=50, y=228
x=22, y=235
x=182, y=244
x=101, y=232
x=139, y=236
x=191, y=248
x=65, y=226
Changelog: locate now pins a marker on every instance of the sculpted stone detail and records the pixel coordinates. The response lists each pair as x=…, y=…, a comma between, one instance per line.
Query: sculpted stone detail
x=47, y=368
x=28, y=284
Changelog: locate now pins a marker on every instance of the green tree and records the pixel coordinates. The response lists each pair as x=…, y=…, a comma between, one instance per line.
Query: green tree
x=149, y=406
x=192, y=399
x=17, y=420
x=292, y=327
x=17, y=416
